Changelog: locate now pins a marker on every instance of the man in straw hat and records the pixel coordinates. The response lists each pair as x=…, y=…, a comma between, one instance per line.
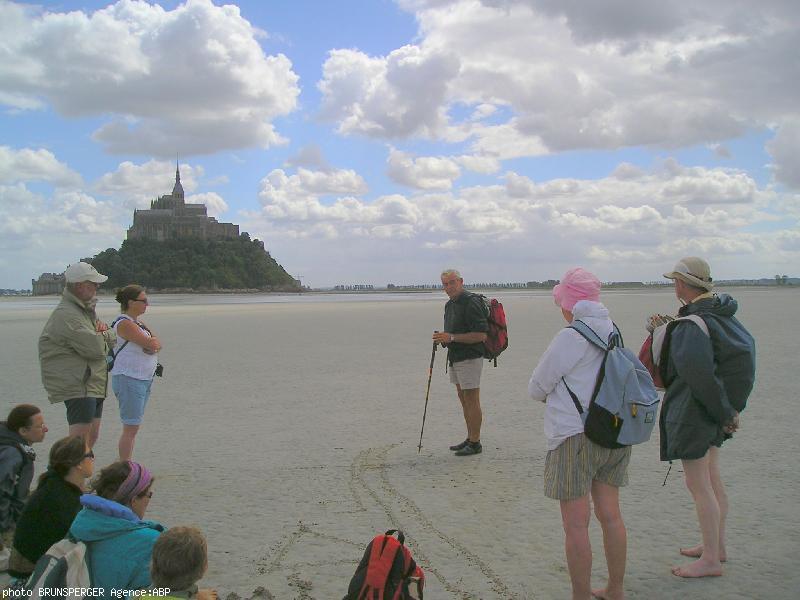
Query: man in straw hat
x=72, y=352
x=708, y=376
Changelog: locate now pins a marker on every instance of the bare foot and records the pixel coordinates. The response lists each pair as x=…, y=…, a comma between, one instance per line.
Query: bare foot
x=697, y=552
x=698, y=568
x=604, y=594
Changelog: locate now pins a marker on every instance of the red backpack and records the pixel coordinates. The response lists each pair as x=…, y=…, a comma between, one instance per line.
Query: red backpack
x=387, y=571
x=497, y=336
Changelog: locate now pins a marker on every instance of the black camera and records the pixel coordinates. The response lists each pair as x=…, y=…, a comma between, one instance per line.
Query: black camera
x=159, y=370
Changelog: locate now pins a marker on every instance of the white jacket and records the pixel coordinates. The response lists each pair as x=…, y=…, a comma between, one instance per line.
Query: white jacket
x=570, y=356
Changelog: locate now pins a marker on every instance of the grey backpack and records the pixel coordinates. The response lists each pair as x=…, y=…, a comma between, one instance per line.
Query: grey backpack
x=62, y=566
x=624, y=406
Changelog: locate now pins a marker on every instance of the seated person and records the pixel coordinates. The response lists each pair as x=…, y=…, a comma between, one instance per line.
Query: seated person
x=50, y=510
x=180, y=559
x=119, y=542
x=23, y=428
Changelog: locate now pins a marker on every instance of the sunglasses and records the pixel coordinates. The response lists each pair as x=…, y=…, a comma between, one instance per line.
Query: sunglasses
x=145, y=300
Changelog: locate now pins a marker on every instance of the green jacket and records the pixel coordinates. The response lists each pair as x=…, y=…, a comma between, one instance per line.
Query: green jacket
x=72, y=355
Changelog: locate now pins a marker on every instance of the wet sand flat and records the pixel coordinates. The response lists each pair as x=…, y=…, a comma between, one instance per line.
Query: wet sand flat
x=288, y=431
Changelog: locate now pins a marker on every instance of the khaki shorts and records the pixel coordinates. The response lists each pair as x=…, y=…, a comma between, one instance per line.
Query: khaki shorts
x=467, y=373
x=570, y=469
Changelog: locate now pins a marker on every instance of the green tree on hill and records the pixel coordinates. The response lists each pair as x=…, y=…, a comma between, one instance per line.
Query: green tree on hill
x=239, y=263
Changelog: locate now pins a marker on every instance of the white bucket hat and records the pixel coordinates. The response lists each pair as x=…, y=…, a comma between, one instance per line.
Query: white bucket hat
x=694, y=271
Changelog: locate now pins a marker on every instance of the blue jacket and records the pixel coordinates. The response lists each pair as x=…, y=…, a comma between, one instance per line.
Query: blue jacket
x=119, y=544
x=706, y=378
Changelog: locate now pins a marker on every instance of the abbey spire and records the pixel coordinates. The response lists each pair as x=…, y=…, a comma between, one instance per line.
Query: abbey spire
x=177, y=190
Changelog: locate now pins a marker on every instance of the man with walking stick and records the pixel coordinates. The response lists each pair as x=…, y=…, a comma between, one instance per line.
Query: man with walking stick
x=465, y=327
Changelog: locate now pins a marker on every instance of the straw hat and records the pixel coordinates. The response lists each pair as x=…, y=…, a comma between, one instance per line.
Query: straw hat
x=694, y=271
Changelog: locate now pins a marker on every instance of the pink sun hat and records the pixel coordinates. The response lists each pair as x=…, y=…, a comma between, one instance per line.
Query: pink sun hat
x=576, y=284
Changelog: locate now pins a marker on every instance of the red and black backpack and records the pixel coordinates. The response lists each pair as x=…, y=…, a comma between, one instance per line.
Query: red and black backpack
x=387, y=571
x=497, y=335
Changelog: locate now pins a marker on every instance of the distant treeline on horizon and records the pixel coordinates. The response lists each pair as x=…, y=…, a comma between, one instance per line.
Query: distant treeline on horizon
x=550, y=283
x=779, y=281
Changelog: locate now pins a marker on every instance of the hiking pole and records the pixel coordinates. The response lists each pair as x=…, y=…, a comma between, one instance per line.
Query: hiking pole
x=427, y=393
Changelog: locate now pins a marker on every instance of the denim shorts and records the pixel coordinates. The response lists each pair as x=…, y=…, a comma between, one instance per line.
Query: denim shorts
x=132, y=395
x=82, y=411
x=467, y=373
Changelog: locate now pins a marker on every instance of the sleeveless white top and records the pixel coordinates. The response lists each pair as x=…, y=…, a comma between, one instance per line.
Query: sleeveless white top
x=132, y=360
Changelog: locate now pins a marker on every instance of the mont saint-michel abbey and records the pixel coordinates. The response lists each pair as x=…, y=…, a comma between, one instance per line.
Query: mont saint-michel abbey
x=170, y=218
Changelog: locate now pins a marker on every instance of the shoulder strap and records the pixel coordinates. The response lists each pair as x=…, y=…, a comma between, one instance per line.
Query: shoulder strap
x=573, y=396
x=113, y=323
x=660, y=334
x=614, y=340
x=589, y=334
x=697, y=320
x=120, y=318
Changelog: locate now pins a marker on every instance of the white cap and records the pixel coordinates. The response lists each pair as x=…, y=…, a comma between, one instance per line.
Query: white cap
x=82, y=271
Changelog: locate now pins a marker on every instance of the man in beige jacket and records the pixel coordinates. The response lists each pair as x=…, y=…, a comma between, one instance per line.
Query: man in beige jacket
x=72, y=352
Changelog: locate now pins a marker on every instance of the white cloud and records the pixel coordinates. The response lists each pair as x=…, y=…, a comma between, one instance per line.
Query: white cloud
x=486, y=165
x=482, y=111
x=785, y=156
x=519, y=186
x=192, y=80
x=423, y=172
x=310, y=157
x=35, y=165
x=214, y=202
x=136, y=185
x=45, y=233
x=645, y=219
x=396, y=96
x=699, y=185
x=788, y=241
x=506, y=141
x=568, y=76
x=627, y=171
x=720, y=151
x=296, y=197
x=306, y=183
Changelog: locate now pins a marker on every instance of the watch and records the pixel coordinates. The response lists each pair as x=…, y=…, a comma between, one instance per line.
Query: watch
x=452, y=338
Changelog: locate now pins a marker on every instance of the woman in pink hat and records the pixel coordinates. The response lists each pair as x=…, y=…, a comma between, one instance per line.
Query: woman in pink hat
x=575, y=466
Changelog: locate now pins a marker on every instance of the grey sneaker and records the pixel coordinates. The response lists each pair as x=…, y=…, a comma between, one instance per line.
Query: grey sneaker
x=459, y=446
x=470, y=449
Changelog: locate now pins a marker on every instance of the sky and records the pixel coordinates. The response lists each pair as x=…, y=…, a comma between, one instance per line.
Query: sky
x=379, y=141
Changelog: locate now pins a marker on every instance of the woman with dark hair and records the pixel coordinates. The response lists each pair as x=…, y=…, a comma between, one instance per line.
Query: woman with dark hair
x=50, y=510
x=134, y=364
x=119, y=542
x=23, y=428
